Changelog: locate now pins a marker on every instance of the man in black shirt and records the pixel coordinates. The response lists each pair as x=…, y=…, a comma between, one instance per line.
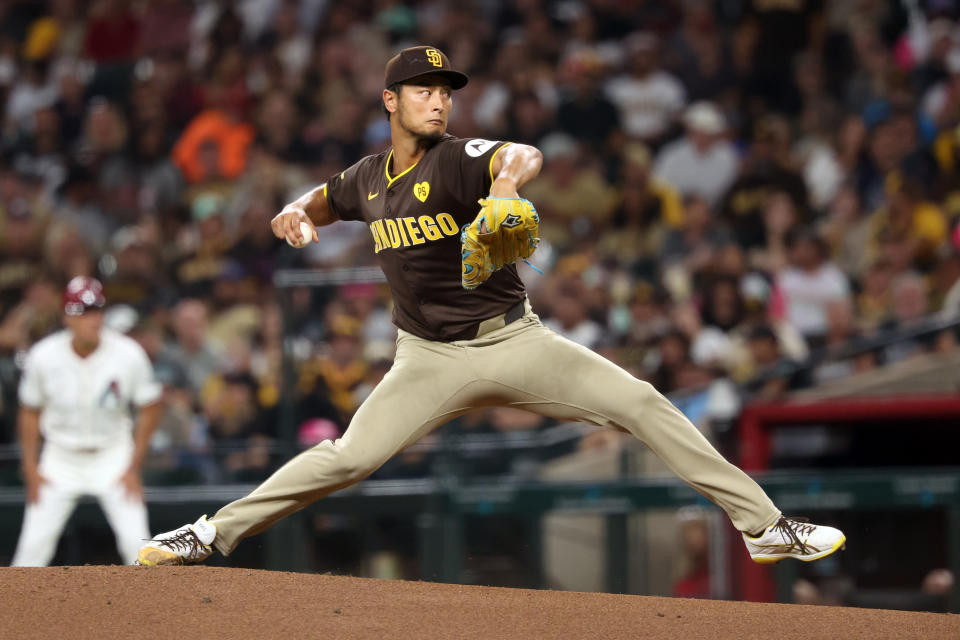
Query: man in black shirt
x=459, y=349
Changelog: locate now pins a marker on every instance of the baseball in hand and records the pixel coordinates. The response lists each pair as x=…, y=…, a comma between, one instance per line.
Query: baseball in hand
x=306, y=230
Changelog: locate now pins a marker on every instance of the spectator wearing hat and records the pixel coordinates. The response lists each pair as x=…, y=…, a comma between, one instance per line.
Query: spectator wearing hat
x=649, y=99
x=585, y=112
x=190, y=346
x=574, y=199
x=340, y=370
x=133, y=276
x=648, y=208
x=767, y=168
x=809, y=283
x=701, y=163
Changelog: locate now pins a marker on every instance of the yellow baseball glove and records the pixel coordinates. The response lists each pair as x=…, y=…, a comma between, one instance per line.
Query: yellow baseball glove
x=505, y=230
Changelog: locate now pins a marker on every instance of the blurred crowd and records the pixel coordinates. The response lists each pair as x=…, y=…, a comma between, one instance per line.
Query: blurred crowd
x=728, y=187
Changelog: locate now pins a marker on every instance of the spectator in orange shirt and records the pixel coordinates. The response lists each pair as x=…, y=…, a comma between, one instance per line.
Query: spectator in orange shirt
x=215, y=144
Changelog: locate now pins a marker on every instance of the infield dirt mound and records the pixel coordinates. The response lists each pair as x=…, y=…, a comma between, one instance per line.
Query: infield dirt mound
x=80, y=603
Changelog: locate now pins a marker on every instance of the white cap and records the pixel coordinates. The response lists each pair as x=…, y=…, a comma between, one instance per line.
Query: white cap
x=754, y=286
x=704, y=117
x=121, y=318
x=710, y=346
x=558, y=145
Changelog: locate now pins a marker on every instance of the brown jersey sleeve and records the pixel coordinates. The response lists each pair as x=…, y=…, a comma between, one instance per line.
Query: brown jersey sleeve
x=471, y=163
x=343, y=193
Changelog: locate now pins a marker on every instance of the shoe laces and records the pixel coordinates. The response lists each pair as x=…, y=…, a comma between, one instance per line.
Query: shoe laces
x=792, y=528
x=183, y=540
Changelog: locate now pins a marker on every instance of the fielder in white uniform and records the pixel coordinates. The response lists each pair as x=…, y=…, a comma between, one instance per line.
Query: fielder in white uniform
x=76, y=392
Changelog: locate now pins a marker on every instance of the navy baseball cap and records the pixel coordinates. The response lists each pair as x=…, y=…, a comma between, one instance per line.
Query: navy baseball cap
x=420, y=61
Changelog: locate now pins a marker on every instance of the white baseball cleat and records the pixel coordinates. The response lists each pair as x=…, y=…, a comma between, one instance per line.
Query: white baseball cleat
x=794, y=538
x=189, y=543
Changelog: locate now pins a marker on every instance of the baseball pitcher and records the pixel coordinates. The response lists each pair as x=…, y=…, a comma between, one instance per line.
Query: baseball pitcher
x=447, y=226
x=76, y=390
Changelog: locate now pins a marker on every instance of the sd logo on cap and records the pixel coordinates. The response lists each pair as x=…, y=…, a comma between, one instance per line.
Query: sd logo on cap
x=419, y=61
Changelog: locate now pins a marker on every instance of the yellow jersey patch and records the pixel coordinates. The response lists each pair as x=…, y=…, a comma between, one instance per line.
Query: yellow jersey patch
x=421, y=190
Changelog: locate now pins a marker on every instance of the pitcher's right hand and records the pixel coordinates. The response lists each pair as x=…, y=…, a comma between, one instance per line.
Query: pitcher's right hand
x=286, y=224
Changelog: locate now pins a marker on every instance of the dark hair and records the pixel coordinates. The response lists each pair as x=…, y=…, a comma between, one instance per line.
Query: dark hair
x=709, y=299
x=762, y=332
x=395, y=87
x=798, y=233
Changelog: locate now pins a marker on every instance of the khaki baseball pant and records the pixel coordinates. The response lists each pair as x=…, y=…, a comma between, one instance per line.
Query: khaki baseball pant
x=522, y=365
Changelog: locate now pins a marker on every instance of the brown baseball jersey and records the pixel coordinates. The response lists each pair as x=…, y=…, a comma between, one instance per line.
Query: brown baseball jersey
x=415, y=218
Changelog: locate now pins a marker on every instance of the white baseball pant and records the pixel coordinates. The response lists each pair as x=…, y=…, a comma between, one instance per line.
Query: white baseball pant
x=71, y=475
